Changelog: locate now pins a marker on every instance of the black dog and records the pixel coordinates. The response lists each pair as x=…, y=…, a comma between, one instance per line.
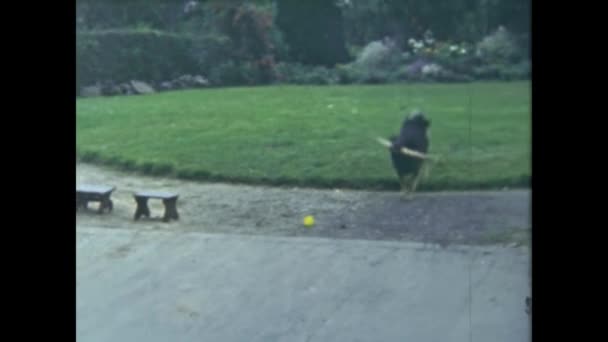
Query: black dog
x=413, y=136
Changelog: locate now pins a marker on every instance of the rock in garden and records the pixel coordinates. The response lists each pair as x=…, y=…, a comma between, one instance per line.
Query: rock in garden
x=142, y=87
x=90, y=91
x=200, y=81
x=166, y=85
x=125, y=89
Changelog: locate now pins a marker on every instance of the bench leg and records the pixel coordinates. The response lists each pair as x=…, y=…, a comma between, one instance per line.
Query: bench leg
x=105, y=203
x=83, y=204
x=80, y=204
x=170, y=210
x=142, y=208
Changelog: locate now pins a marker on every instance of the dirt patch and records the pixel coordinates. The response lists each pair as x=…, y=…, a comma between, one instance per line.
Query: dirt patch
x=458, y=217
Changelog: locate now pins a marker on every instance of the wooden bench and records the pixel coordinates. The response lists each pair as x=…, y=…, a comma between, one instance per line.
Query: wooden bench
x=169, y=201
x=94, y=193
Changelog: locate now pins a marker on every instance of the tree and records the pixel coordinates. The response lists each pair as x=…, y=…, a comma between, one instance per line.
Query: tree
x=313, y=30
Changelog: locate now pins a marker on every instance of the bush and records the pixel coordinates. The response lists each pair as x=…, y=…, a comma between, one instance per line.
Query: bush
x=313, y=30
x=522, y=70
x=123, y=55
x=319, y=75
x=376, y=63
x=379, y=55
x=297, y=73
x=378, y=77
x=104, y=14
x=460, y=64
x=449, y=76
x=233, y=73
x=505, y=72
x=348, y=74
x=463, y=20
x=238, y=39
x=499, y=47
x=428, y=60
x=211, y=50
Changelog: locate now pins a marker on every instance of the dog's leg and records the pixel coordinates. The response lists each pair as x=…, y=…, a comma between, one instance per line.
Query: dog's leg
x=405, y=192
x=426, y=170
x=403, y=184
x=415, y=181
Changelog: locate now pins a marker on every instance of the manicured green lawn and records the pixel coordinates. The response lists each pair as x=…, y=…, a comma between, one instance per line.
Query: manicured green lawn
x=318, y=136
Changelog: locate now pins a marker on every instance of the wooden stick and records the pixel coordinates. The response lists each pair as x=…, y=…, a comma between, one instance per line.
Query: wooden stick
x=384, y=142
x=405, y=150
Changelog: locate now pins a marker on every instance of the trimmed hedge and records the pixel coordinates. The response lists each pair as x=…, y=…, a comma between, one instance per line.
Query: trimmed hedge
x=123, y=55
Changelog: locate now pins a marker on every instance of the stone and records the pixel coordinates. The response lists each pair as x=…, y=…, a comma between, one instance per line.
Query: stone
x=140, y=87
x=91, y=91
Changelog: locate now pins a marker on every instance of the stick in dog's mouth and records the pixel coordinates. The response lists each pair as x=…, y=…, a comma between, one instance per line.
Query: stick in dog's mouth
x=406, y=151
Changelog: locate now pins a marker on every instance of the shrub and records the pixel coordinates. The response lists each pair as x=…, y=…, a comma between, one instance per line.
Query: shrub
x=348, y=74
x=449, y=76
x=233, y=73
x=313, y=30
x=305, y=74
x=378, y=77
x=499, y=47
x=377, y=62
x=379, y=55
x=319, y=75
x=236, y=38
x=104, y=14
x=123, y=55
x=506, y=72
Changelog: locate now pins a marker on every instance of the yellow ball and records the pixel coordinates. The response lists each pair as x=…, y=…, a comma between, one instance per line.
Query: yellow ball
x=309, y=221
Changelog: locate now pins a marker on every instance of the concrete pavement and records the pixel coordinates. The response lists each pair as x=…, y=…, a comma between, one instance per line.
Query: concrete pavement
x=176, y=286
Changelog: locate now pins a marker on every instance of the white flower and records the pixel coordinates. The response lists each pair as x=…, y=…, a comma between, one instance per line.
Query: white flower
x=453, y=48
x=430, y=69
x=411, y=41
x=430, y=41
x=463, y=51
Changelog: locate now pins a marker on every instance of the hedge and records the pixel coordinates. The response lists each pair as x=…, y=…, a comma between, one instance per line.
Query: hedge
x=123, y=55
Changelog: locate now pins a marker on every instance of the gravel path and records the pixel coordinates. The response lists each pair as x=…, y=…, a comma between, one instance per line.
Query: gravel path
x=452, y=217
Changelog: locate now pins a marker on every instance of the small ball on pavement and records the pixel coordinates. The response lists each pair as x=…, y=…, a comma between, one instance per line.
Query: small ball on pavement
x=309, y=221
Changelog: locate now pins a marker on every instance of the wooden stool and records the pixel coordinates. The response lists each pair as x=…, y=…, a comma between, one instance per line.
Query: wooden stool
x=169, y=201
x=94, y=193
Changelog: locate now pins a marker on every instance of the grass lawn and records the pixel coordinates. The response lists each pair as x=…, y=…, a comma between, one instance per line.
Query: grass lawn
x=318, y=136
